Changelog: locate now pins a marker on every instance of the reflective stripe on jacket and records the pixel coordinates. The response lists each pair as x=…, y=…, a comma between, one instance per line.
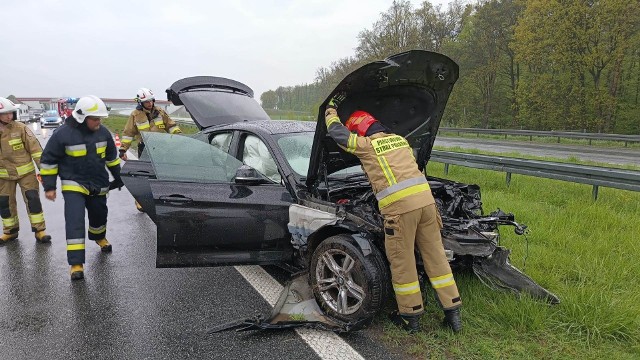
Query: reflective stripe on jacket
x=19, y=149
x=389, y=163
x=81, y=157
x=141, y=119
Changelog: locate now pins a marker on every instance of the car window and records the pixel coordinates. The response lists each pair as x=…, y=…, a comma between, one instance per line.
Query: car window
x=222, y=141
x=182, y=158
x=296, y=149
x=256, y=154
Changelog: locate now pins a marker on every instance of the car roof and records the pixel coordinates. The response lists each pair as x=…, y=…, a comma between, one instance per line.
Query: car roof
x=269, y=126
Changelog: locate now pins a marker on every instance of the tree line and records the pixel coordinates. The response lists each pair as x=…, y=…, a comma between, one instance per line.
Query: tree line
x=524, y=64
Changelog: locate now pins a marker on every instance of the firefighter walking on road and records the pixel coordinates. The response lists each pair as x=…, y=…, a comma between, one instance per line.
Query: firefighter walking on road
x=410, y=216
x=146, y=117
x=78, y=152
x=19, y=149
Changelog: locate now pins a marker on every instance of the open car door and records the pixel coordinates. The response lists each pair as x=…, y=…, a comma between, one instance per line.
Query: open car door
x=205, y=218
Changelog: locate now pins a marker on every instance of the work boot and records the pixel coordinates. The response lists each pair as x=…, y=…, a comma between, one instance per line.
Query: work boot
x=104, y=245
x=77, y=272
x=410, y=323
x=42, y=237
x=452, y=319
x=8, y=237
x=139, y=207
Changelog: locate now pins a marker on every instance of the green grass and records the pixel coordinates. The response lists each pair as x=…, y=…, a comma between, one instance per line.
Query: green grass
x=543, y=140
x=585, y=252
x=116, y=124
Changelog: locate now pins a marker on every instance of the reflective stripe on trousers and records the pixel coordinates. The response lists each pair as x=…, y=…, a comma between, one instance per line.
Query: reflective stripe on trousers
x=75, y=204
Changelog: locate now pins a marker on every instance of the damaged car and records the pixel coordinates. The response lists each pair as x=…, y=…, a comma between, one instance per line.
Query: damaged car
x=250, y=190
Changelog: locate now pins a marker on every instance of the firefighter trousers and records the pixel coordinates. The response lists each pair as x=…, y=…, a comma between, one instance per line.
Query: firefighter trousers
x=74, y=207
x=403, y=233
x=29, y=187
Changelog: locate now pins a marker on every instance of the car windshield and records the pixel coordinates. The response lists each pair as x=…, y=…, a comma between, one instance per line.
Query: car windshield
x=296, y=148
x=51, y=113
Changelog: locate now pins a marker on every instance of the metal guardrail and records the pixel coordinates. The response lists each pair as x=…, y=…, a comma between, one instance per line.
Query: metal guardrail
x=591, y=175
x=557, y=134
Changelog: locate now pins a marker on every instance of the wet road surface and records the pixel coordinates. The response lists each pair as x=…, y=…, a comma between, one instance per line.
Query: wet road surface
x=125, y=308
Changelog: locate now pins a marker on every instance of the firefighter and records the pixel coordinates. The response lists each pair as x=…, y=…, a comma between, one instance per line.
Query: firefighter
x=410, y=216
x=78, y=152
x=20, y=149
x=146, y=117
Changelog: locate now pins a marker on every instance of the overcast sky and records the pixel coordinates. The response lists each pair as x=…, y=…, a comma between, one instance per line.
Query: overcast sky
x=111, y=48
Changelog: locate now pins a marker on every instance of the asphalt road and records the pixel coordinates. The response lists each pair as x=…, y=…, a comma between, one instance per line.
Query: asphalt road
x=622, y=156
x=125, y=308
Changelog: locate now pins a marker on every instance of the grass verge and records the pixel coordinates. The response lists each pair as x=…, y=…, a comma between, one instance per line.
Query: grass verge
x=583, y=251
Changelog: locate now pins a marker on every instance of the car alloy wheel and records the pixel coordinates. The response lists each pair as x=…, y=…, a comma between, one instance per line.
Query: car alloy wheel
x=347, y=284
x=336, y=284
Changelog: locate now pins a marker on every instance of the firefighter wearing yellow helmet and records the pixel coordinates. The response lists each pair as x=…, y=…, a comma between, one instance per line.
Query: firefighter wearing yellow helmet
x=19, y=150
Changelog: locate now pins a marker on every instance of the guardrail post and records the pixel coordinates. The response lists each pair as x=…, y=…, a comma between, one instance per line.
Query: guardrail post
x=595, y=192
x=508, y=179
x=446, y=169
x=530, y=137
x=558, y=139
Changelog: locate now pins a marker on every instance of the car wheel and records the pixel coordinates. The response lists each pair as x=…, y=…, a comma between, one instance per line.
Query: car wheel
x=348, y=285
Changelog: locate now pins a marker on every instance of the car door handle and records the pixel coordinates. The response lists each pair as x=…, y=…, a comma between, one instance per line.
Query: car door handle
x=176, y=199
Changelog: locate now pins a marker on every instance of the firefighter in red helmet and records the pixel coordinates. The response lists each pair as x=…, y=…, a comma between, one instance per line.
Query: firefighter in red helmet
x=411, y=218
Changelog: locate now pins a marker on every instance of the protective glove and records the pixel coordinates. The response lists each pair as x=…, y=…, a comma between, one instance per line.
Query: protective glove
x=122, y=153
x=336, y=100
x=116, y=184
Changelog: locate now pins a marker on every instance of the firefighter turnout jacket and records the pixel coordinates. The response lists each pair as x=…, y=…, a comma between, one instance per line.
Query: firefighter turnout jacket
x=20, y=149
x=79, y=155
x=410, y=216
x=388, y=161
x=141, y=119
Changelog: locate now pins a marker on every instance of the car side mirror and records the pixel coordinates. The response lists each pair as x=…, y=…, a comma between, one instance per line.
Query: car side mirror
x=246, y=175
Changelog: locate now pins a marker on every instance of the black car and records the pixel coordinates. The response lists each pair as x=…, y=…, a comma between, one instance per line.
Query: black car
x=250, y=190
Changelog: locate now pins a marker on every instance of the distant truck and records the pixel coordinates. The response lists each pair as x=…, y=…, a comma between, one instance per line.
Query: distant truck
x=22, y=114
x=66, y=106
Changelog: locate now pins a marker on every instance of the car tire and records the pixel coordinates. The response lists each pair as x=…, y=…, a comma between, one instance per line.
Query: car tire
x=363, y=288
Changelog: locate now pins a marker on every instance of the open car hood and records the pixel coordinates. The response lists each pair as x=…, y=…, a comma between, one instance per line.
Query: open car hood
x=406, y=92
x=215, y=101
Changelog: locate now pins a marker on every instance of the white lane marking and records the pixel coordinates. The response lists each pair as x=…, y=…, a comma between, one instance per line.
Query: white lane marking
x=326, y=344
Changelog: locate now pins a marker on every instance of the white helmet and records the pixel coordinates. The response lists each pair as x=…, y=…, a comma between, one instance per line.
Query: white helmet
x=144, y=94
x=90, y=105
x=7, y=106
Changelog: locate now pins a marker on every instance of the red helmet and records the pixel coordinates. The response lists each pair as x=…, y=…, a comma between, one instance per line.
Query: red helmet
x=360, y=121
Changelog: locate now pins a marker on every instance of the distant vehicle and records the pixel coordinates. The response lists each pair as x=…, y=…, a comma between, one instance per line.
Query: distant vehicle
x=66, y=106
x=50, y=118
x=35, y=115
x=22, y=114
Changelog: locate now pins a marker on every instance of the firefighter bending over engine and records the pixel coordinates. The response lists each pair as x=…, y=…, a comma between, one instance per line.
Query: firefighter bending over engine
x=410, y=215
x=19, y=149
